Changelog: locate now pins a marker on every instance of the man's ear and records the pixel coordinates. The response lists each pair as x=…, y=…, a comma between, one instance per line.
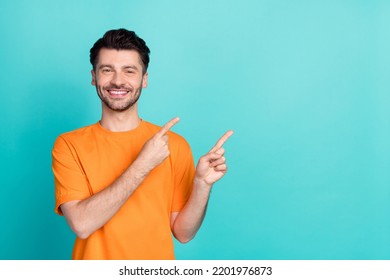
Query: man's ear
x=93, y=82
x=145, y=80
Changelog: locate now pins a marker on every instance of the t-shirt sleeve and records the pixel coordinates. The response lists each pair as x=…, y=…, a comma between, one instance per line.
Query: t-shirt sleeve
x=184, y=175
x=69, y=179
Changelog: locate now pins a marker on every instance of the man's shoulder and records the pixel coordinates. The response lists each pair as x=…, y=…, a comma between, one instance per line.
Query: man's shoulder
x=80, y=130
x=77, y=135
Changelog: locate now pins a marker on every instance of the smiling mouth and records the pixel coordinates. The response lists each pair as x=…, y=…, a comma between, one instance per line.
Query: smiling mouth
x=117, y=92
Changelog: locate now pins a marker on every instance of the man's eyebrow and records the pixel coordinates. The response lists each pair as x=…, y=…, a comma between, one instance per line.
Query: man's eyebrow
x=123, y=67
x=130, y=66
x=105, y=65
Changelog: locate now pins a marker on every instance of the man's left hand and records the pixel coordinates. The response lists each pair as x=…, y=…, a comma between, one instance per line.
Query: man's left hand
x=212, y=166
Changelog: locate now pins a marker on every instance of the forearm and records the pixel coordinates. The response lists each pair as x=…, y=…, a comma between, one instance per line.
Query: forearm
x=211, y=168
x=88, y=215
x=190, y=218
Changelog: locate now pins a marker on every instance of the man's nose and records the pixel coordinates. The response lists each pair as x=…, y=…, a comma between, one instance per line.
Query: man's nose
x=117, y=79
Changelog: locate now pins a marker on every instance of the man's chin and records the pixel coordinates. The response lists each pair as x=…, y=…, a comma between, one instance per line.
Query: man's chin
x=118, y=107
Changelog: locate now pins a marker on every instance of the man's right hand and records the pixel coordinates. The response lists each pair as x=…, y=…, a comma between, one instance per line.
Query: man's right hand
x=88, y=215
x=156, y=149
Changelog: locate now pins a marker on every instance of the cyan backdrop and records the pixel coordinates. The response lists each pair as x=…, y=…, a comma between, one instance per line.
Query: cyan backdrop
x=304, y=84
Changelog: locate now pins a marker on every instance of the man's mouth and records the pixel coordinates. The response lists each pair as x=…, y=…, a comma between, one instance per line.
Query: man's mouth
x=117, y=92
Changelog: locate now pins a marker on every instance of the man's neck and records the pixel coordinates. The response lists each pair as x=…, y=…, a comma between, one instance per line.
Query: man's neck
x=120, y=121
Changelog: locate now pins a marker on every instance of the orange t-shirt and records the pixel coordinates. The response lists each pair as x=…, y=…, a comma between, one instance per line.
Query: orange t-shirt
x=87, y=160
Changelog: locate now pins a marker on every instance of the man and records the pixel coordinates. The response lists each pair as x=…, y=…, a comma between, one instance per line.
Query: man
x=123, y=184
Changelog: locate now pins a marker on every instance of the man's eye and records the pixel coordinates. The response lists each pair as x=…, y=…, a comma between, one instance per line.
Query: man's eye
x=106, y=70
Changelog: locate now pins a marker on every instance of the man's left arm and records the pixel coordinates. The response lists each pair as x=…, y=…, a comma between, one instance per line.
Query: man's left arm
x=210, y=168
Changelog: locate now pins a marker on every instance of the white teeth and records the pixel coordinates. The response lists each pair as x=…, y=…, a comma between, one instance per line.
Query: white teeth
x=117, y=92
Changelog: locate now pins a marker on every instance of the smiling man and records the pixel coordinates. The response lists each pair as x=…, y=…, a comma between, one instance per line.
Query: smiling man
x=125, y=185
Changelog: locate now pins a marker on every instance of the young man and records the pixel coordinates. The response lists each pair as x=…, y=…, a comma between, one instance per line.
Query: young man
x=123, y=184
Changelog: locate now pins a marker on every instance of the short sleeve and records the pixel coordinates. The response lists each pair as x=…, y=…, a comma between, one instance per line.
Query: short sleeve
x=184, y=175
x=69, y=179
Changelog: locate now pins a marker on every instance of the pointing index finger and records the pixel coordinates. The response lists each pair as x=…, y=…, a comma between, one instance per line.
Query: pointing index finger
x=222, y=141
x=168, y=126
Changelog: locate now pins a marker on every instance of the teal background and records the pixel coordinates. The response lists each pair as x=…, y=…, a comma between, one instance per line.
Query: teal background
x=304, y=85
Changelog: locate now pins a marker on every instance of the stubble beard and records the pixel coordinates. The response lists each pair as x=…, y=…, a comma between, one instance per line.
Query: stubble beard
x=120, y=106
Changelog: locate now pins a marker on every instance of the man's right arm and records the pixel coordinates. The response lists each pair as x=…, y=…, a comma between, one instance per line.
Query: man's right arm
x=88, y=215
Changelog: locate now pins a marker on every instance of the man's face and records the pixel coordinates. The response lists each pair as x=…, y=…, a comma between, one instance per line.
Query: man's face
x=119, y=78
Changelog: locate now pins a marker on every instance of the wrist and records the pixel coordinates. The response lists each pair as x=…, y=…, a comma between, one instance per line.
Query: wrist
x=140, y=169
x=201, y=183
x=201, y=189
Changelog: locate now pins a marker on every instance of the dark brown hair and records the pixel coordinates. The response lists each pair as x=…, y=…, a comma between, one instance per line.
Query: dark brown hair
x=121, y=39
